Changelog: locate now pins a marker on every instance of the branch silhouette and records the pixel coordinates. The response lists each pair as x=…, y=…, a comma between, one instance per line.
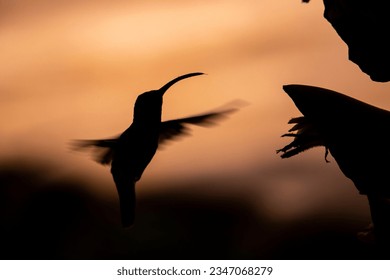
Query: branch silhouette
x=356, y=134
x=131, y=152
x=363, y=26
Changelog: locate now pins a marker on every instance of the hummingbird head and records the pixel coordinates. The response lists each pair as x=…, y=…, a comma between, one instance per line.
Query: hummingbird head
x=148, y=105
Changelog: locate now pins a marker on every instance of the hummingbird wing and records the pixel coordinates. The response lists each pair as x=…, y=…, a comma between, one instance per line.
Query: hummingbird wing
x=101, y=148
x=169, y=130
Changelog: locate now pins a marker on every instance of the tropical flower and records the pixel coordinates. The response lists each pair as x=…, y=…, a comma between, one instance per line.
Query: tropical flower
x=355, y=133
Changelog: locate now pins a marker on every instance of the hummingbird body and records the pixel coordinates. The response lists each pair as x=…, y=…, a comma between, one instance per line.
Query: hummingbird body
x=137, y=145
x=133, y=151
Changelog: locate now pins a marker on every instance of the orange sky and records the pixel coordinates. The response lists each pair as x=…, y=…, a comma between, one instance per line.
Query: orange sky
x=73, y=71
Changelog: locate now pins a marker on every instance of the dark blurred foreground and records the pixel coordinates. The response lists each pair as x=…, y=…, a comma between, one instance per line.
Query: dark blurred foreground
x=49, y=217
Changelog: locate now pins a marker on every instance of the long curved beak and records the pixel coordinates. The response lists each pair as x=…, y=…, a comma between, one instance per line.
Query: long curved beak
x=164, y=88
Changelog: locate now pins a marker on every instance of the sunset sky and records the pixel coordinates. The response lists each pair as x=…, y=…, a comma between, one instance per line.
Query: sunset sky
x=73, y=69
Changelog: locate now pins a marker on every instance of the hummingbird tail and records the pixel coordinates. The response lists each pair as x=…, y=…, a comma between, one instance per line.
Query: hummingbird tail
x=127, y=203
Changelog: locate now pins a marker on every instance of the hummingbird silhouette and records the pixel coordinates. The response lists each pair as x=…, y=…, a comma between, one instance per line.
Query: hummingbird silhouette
x=131, y=152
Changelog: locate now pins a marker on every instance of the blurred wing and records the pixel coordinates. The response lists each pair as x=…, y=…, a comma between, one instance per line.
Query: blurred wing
x=102, y=149
x=172, y=129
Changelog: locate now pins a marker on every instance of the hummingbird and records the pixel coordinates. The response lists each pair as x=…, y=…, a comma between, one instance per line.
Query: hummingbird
x=356, y=134
x=131, y=152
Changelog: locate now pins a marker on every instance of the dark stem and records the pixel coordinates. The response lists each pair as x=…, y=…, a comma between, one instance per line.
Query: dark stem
x=380, y=214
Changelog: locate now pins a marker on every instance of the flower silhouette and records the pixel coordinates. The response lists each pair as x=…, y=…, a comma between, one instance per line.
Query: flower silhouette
x=356, y=134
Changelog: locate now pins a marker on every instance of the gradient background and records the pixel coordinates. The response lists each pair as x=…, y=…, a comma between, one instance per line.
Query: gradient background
x=73, y=69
